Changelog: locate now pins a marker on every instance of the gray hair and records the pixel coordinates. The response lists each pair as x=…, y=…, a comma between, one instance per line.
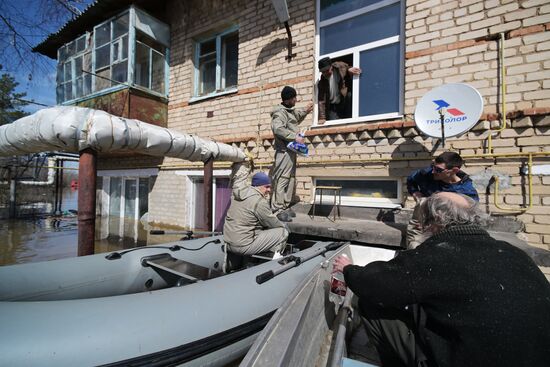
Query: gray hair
x=441, y=211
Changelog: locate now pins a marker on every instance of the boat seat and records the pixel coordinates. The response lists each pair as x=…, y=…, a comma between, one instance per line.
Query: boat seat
x=236, y=262
x=178, y=271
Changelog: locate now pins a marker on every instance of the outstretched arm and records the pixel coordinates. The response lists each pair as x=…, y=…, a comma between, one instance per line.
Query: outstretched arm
x=239, y=177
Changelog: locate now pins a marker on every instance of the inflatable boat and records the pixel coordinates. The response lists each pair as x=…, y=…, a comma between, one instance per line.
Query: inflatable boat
x=150, y=306
x=315, y=326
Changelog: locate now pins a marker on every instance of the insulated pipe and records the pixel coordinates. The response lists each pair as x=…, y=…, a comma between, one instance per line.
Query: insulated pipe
x=87, y=169
x=73, y=129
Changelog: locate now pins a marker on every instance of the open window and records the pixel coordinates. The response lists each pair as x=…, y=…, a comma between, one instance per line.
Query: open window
x=368, y=34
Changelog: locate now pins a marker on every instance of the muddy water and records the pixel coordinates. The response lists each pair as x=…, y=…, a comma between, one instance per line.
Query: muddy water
x=45, y=237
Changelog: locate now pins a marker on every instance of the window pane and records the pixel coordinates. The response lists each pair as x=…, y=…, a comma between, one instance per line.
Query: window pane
x=62, y=54
x=87, y=84
x=230, y=56
x=68, y=88
x=142, y=65
x=369, y=27
x=102, y=56
x=207, y=75
x=130, y=198
x=60, y=77
x=87, y=62
x=59, y=93
x=120, y=72
x=79, y=88
x=81, y=44
x=114, y=196
x=71, y=48
x=67, y=71
x=120, y=26
x=102, y=34
x=332, y=8
x=207, y=47
x=157, y=77
x=364, y=188
x=379, y=82
x=124, y=45
x=143, y=196
x=78, y=66
x=102, y=79
x=145, y=39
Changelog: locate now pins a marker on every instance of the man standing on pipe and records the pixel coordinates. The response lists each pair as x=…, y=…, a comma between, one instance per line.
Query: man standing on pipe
x=285, y=119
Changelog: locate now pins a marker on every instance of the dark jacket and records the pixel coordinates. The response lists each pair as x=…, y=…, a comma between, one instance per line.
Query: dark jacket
x=486, y=302
x=423, y=180
x=323, y=87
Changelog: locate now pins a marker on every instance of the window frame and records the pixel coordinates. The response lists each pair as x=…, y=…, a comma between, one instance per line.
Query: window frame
x=72, y=60
x=355, y=53
x=130, y=59
x=111, y=44
x=218, y=91
x=371, y=202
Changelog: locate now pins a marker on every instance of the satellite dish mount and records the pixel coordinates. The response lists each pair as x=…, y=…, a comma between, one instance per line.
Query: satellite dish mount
x=281, y=9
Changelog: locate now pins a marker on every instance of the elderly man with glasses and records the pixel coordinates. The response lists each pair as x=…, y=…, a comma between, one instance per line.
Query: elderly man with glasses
x=444, y=175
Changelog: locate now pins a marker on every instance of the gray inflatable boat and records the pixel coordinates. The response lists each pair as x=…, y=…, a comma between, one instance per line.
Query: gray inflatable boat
x=313, y=326
x=151, y=306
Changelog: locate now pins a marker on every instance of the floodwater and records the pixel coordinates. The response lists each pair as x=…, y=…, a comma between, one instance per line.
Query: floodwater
x=45, y=237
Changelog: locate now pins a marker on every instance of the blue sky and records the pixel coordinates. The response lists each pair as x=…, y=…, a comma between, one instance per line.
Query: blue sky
x=33, y=21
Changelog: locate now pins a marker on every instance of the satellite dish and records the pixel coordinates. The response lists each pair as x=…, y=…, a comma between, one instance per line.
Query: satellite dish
x=448, y=110
x=281, y=9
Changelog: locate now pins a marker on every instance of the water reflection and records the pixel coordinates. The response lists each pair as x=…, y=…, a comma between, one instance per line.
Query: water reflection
x=48, y=238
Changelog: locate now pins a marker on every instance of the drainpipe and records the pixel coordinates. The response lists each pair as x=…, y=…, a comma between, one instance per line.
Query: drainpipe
x=208, y=185
x=87, y=170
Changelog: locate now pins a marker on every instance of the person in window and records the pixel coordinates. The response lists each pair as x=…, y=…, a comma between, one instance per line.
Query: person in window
x=250, y=226
x=285, y=119
x=443, y=175
x=334, y=89
x=461, y=298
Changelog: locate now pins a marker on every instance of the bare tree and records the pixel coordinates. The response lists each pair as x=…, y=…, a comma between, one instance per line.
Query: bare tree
x=26, y=23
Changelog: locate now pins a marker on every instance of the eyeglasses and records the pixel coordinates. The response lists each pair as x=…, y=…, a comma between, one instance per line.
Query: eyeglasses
x=437, y=169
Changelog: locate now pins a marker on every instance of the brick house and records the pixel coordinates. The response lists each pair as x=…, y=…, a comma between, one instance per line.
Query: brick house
x=225, y=67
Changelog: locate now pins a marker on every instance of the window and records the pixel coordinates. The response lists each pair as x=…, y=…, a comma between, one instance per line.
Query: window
x=74, y=78
x=99, y=61
x=371, y=192
x=111, y=53
x=368, y=34
x=150, y=60
x=216, y=64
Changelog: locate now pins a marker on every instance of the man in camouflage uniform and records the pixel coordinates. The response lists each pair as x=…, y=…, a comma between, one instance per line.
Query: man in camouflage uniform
x=250, y=225
x=285, y=119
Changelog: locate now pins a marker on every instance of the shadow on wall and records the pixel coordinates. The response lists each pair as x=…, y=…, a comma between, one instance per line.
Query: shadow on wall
x=270, y=50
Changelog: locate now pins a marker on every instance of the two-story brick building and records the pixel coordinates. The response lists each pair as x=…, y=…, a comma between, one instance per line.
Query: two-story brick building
x=215, y=68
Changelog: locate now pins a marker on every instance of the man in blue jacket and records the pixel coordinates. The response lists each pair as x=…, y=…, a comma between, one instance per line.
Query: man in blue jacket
x=444, y=175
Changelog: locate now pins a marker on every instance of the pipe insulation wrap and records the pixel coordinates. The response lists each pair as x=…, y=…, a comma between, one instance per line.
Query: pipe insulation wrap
x=74, y=129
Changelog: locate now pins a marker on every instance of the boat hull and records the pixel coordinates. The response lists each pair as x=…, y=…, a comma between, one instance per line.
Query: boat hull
x=209, y=322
